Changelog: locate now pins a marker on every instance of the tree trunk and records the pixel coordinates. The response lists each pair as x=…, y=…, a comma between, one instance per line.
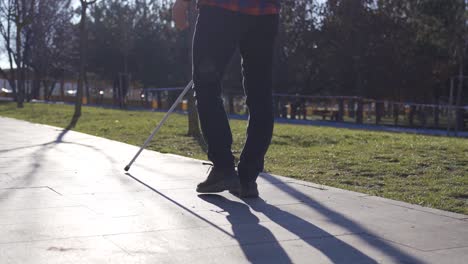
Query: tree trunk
x=35, y=94
x=79, y=90
x=45, y=83
x=51, y=89
x=459, y=111
x=86, y=84
x=19, y=69
x=62, y=88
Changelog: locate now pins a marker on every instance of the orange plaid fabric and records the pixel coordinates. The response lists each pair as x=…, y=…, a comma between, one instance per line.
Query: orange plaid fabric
x=250, y=7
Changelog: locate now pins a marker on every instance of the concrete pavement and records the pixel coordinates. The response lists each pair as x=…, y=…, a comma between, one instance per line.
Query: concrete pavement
x=64, y=198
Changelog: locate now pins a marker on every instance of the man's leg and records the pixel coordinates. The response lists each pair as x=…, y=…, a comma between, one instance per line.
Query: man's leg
x=256, y=47
x=215, y=40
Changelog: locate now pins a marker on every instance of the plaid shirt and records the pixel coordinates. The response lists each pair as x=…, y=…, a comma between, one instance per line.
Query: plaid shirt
x=250, y=7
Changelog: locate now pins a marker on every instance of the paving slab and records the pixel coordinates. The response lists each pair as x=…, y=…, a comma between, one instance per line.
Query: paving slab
x=64, y=198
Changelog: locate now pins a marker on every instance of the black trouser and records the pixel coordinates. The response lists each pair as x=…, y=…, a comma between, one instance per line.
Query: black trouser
x=218, y=34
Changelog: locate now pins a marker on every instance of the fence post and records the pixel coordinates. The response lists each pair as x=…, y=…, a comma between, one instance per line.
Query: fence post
x=159, y=99
x=378, y=112
x=359, y=111
x=396, y=113
x=293, y=110
x=411, y=115
x=340, y=110
x=276, y=106
x=304, y=109
x=284, y=109
x=460, y=122
x=351, y=110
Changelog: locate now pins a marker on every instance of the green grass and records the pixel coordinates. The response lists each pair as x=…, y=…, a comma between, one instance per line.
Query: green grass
x=424, y=170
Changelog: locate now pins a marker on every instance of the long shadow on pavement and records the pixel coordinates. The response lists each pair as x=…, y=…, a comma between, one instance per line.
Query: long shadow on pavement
x=38, y=160
x=334, y=249
x=39, y=154
x=336, y=218
x=257, y=242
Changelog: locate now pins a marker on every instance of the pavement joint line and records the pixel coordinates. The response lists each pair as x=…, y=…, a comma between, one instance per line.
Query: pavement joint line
x=45, y=208
x=211, y=210
x=276, y=241
x=40, y=208
x=302, y=238
x=30, y=187
x=96, y=235
x=443, y=249
x=209, y=224
x=395, y=242
x=307, y=185
x=46, y=239
x=115, y=244
x=114, y=234
x=287, y=204
x=411, y=207
x=225, y=246
x=119, y=192
x=52, y=189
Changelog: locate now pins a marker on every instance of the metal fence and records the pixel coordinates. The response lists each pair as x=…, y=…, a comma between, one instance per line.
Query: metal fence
x=367, y=111
x=347, y=109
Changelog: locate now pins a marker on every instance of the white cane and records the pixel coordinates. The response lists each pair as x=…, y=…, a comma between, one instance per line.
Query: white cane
x=166, y=116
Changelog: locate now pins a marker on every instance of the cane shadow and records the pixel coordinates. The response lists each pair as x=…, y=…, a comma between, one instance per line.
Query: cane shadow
x=258, y=244
x=366, y=235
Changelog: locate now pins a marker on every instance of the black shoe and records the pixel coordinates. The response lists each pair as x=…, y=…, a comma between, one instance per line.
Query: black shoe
x=249, y=190
x=219, y=180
